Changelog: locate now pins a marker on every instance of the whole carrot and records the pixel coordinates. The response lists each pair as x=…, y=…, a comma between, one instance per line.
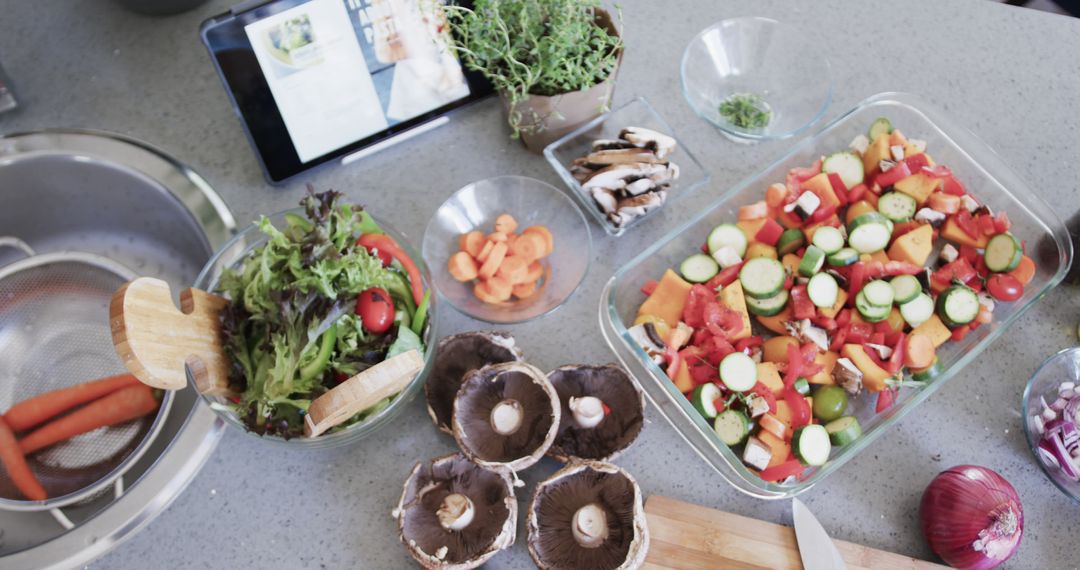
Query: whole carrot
x=44, y=407
x=120, y=406
x=15, y=464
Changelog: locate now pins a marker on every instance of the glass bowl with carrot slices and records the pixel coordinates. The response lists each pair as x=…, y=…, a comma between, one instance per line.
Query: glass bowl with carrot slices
x=507, y=249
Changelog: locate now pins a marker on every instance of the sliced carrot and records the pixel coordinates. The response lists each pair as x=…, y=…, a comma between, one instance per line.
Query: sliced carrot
x=536, y=271
x=920, y=351
x=1024, y=272
x=462, y=266
x=500, y=288
x=14, y=462
x=498, y=236
x=515, y=269
x=122, y=405
x=510, y=239
x=483, y=293
x=530, y=245
x=524, y=290
x=44, y=407
x=542, y=231
x=472, y=242
x=754, y=211
x=944, y=203
x=485, y=251
x=506, y=224
x=493, y=261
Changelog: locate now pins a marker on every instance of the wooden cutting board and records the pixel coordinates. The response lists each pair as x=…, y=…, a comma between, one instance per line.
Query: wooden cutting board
x=689, y=537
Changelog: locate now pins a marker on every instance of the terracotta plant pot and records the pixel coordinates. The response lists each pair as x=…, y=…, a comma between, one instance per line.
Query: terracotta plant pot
x=544, y=119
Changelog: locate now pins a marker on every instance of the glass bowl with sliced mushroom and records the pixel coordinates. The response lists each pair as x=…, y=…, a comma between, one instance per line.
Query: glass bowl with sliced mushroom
x=625, y=165
x=508, y=249
x=326, y=315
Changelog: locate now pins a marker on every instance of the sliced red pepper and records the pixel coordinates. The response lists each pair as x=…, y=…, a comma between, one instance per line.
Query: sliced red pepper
x=838, y=187
x=859, y=333
x=885, y=399
x=800, y=408
x=890, y=337
x=386, y=243
x=701, y=372
x=1002, y=223
x=726, y=277
x=696, y=300
x=748, y=342
x=795, y=176
x=959, y=270
x=827, y=323
x=801, y=305
x=959, y=333
x=873, y=354
x=674, y=362
x=770, y=232
x=902, y=228
x=857, y=193
x=937, y=171
x=981, y=270
x=970, y=254
x=794, y=365
x=782, y=471
x=894, y=175
x=856, y=281
x=838, y=339
x=722, y=321
x=649, y=286
x=953, y=186
x=877, y=270
x=843, y=318
x=896, y=361
x=877, y=338
x=606, y=408
x=705, y=248
x=915, y=162
x=967, y=223
x=821, y=214
x=789, y=282
x=716, y=349
x=986, y=224
x=766, y=394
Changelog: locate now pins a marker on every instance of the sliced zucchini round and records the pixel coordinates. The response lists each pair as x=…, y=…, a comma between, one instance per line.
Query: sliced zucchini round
x=727, y=235
x=704, y=397
x=732, y=427
x=829, y=239
x=699, y=268
x=869, y=232
x=880, y=126
x=870, y=313
x=738, y=372
x=878, y=293
x=811, y=445
x=767, y=307
x=846, y=256
x=918, y=310
x=843, y=431
x=790, y=241
x=823, y=290
x=929, y=373
x=958, y=305
x=897, y=206
x=847, y=165
x=905, y=288
x=762, y=277
x=812, y=261
x=1003, y=253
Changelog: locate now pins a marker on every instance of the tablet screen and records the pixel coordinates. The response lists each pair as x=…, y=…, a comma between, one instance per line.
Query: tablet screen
x=343, y=70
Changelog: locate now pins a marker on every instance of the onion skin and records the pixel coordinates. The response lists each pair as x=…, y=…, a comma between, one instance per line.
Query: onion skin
x=972, y=517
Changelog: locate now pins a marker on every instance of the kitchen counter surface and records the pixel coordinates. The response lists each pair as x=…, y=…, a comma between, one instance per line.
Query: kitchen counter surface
x=1010, y=75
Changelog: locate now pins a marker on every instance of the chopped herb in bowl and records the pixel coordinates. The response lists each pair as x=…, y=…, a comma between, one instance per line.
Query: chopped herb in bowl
x=746, y=111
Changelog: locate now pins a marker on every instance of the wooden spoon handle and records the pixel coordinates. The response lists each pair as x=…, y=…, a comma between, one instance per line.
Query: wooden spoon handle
x=155, y=340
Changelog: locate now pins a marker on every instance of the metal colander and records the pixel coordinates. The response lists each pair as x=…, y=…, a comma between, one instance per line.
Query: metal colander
x=54, y=333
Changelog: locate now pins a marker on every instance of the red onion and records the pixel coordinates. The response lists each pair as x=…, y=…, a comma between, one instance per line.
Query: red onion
x=972, y=517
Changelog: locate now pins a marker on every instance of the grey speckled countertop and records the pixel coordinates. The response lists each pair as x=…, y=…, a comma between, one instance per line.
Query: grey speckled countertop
x=1010, y=75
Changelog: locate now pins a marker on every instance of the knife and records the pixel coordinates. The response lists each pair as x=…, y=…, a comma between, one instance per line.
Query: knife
x=815, y=547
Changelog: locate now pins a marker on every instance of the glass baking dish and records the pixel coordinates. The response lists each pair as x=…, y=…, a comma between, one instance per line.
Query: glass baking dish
x=977, y=166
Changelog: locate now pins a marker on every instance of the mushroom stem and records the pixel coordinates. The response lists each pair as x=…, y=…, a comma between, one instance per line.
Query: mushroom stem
x=590, y=526
x=506, y=417
x=588, y=411
x=455, y=512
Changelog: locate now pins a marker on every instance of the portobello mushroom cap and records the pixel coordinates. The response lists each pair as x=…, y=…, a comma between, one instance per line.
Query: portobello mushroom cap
x=588, y=515
x=454, y=514
x=456, y=356
x=506, y=415
x=582, y=432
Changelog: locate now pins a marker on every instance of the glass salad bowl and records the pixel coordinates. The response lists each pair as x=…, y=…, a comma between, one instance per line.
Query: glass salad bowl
x=532, y=203
x=562, y=153
x=972, y=160
x=1044, y=388
x=757, y=66
x=232, y=253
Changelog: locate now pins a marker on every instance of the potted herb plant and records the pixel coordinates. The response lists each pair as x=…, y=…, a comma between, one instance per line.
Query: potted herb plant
x=552, y=62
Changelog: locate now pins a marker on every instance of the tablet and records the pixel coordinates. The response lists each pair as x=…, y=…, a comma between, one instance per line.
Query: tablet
x=316, y=81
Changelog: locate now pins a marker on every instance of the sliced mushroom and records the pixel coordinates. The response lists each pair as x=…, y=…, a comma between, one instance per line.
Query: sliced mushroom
x=456, y=356
x=805, y=332
x=588, y=515
x=603, y=412
x=630, y=209
x=848, y=376
x=611, y=144
x=506, y=415
x=605, y=199
x=661, y=144
x=616, y=176
x=454, y=514
x=640, y=187
x=602, y=158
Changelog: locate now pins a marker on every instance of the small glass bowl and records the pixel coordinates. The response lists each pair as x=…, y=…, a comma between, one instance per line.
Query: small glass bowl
x=233, y=253
x=636, y=113
x=531, y=202
x=781, y=63
x=1061, y=367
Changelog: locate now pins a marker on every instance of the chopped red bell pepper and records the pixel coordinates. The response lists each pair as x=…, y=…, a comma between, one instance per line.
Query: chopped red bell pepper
x=937, y=171
x=766, y=394
x=705, y=248
x=800, y=408
x=884, y=327
x=701, y=372
x=838, y=339
x=719, y=403
x=674, y=362
x=970, y=254
x=781, y=471
x=981, y=270
x=716, y=349
x=386, y=243
x=801, y=305
x=722, y=321
x=896, y=361
x=843, y=318
x=877, y=270
x=857, y=193
x=606, y=408
x=789, y=282
x=961, y=332
x=902, y=228
x=694, y=310
x=827, y=323
x=953, y=186
x=959, y=270
x=749, y=342
x=726, y=277
x=822, y=214
x=859, y=333
x=986, y=224
x=1002, y=223
x=885, y=399
x=894, y=175
x=915, y=162
x=838, y=187
x=649, y=286
x=877, y=338
x=793, y=370
x=967, y=223
x=770, y=232
x=700, y=337
x=873, y=354
x=856, y=281
x=890, y=337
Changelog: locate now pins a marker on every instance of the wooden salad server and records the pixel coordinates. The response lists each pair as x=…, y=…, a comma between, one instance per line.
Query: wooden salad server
x=156, y=341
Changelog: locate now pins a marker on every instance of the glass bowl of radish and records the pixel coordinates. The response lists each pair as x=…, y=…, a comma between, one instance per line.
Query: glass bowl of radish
x=1052, y=419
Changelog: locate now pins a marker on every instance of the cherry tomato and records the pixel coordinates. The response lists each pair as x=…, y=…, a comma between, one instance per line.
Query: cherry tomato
x=1005, y=287
x=376, y=310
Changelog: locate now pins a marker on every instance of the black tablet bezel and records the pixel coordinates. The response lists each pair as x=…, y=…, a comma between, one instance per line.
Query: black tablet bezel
x=239, y=70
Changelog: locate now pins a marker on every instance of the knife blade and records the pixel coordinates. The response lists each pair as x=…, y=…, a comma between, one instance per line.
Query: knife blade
x=815, y=547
